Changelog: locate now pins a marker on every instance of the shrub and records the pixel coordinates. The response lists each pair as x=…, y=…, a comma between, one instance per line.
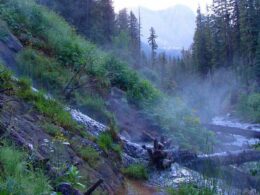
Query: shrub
x=136, y=171
x=190, y=190
x=73, y=177
x=249, y=107
x=15, y=178
x=143, y=94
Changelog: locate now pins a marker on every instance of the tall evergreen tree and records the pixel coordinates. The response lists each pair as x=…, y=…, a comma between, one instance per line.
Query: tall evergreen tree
x=134, y=36
x=122, y=21
x=152, y=42
x=201, y=47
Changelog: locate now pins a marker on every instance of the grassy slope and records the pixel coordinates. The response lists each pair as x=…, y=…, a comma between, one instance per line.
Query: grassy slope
x=54, y=53
x=59, y=125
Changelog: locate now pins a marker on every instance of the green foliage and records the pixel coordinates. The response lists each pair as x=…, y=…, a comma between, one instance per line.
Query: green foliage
x=41, y=68
x=106, y=142
x=48, y=107
x=55, y=111
x=190, y=190
x=173, y=115
x=249, y=107
x=73, y=177
x=5, y=78
x=136, y=171
x=16, y=178
x=143, y=94
x=67, y=52
x=55, y=54
x=90, y=155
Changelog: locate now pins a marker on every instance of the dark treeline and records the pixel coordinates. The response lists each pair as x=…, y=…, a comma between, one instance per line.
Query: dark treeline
x=98, y=22
x=228, y=37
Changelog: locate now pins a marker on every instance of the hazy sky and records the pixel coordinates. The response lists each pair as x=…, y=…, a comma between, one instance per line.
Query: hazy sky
x=159, y=4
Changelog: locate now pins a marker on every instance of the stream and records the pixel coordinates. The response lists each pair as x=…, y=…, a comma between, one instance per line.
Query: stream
x=178, y=174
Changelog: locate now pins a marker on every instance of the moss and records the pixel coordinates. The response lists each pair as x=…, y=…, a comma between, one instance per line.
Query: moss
x=136, y=171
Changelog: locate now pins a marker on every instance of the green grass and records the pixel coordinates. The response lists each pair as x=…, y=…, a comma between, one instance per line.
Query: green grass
x=189, y=189
x=106, y=143
x=48, y=107
x=136, y=171
x=16, y=178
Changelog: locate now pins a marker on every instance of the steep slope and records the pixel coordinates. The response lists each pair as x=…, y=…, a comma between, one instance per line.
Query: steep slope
x=174, y=26
x=75, y=72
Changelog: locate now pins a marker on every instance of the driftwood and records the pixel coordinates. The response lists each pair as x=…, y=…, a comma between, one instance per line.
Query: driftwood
x=94, y=187
x=213, y=165
x=233, y=130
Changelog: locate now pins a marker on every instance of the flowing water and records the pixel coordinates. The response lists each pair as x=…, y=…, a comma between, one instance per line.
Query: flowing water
x=177, y=174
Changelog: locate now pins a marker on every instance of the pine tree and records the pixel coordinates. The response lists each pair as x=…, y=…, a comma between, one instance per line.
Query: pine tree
x=134, y=36
x=122, y=21
x=153, y=45
x=201, y=45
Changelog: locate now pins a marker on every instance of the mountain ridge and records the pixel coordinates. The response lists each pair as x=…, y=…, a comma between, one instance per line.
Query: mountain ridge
x=178, y=30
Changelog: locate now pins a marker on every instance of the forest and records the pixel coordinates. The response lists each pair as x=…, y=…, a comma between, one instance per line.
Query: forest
x=88, y=105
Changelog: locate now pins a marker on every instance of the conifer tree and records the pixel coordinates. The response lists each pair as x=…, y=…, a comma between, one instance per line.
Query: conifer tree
x=152, y=42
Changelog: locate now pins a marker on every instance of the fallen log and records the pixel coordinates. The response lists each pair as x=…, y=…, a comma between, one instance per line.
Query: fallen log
x=233, y=130
x=224, y=159
x=191, y=159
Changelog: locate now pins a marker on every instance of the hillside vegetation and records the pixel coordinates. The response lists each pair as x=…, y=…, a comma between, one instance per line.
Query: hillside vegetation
x=76, y=72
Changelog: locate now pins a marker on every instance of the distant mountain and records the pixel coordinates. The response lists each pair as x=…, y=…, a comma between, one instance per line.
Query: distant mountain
x=174, y=26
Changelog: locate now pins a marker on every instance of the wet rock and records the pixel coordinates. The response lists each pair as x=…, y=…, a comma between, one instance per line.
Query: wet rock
x=67, y=189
